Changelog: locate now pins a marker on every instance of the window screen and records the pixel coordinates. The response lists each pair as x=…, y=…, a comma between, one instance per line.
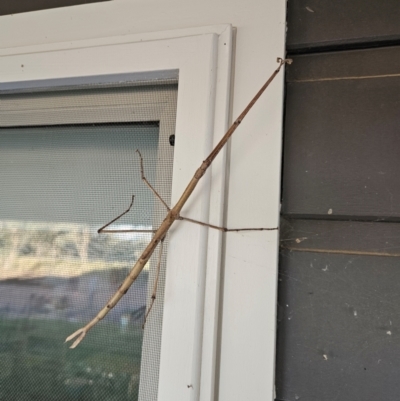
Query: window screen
x=68, y=165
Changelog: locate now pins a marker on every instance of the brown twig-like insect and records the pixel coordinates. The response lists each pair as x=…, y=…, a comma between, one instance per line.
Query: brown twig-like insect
x=172, y=215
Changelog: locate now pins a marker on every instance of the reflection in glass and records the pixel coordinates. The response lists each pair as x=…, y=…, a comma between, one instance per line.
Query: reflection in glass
x=54, y=275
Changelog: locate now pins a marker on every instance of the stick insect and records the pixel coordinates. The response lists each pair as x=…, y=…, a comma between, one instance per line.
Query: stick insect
x=173, y=214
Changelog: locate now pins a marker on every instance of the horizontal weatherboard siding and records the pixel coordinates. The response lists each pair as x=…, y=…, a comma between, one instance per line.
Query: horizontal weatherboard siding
x=322, y=24
x=342, y=135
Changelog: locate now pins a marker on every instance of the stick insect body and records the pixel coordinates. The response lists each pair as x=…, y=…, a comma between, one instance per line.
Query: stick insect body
x=172, y=215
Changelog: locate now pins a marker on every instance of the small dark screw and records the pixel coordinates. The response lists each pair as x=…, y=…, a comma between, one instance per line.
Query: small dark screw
x=172, y=140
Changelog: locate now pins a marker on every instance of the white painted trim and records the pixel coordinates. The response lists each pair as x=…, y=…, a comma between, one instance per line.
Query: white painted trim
x=203, y=58
x=112, y=40
x=217, y=196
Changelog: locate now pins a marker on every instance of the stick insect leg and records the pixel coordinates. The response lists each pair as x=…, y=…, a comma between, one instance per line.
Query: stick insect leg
x=103, y=229
x=224, y=229
x=148, y=184
x=153, y=295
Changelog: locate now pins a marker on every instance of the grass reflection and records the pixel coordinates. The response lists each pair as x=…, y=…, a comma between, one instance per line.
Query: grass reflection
x=49, y=284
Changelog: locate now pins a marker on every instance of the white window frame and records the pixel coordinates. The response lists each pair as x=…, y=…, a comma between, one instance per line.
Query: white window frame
x=201, y=58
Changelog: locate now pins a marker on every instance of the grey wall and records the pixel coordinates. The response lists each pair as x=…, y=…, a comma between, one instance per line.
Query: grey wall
x=339, y=286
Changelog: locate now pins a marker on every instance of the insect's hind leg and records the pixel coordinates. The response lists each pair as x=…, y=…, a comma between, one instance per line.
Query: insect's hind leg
x=154, y=293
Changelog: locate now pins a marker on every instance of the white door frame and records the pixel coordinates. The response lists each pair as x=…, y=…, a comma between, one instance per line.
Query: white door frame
x=201, y=58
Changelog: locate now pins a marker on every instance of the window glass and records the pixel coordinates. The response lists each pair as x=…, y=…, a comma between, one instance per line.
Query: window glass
x=59, y=185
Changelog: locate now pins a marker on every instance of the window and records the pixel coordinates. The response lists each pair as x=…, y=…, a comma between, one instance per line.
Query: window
x=61, y=182
x=200, y=58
